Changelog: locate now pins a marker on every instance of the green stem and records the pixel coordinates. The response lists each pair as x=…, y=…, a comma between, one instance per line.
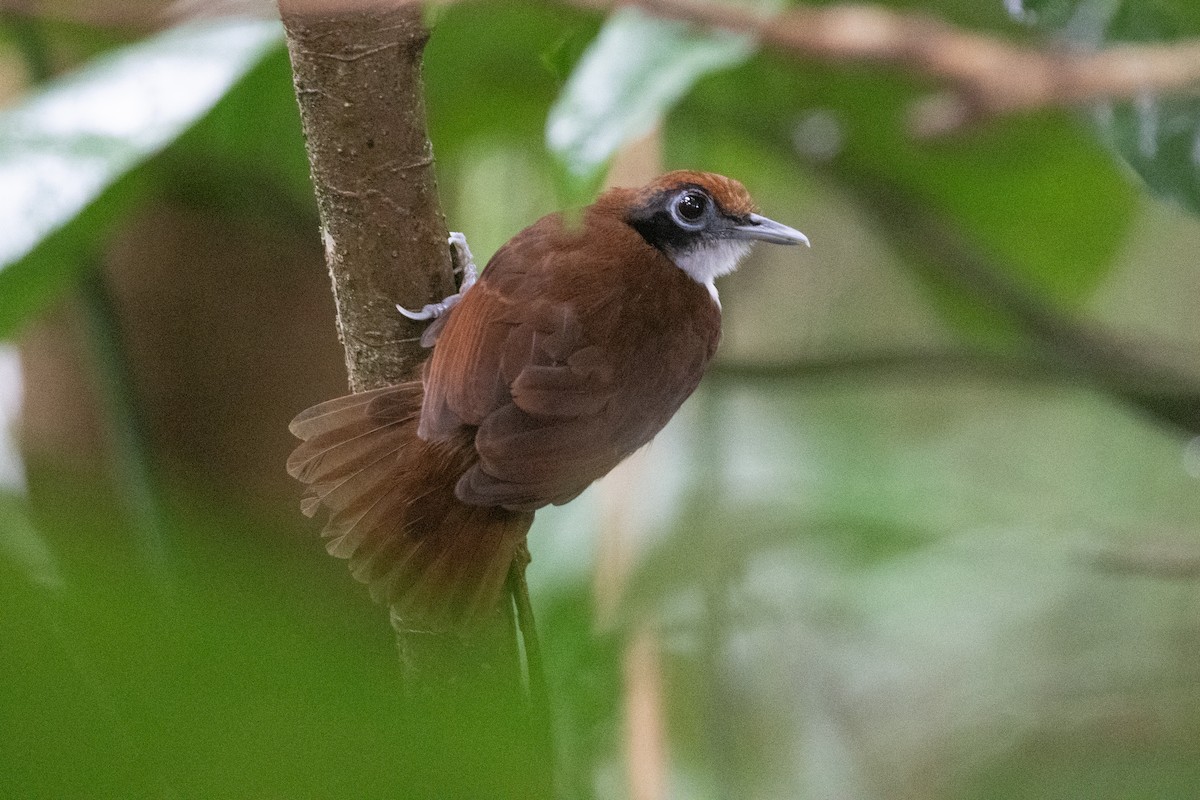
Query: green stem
x=529, y=636
x=539, y=696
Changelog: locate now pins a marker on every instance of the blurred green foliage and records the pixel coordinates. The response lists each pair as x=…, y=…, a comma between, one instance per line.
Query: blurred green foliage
x=922, y=551
x=1156, y=136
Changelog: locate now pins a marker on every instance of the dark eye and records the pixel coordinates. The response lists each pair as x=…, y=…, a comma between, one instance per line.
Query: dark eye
x=690, y=207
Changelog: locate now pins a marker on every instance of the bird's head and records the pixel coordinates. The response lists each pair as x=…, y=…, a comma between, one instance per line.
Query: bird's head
x=703, y=222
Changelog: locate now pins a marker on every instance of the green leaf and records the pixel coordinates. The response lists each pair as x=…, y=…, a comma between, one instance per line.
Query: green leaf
x=633, y=73
x=1156, y=135
x=1093, y=24
x=69, y=148
x=494, y=141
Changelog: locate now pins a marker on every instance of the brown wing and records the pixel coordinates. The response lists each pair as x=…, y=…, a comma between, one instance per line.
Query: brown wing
x=520, y=359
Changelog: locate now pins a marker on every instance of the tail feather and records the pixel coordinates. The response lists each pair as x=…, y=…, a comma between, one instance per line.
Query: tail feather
x=312, y=421
x=471, y=585
x=385, y=572
x=338, y=453
x=438, y=563
x=394, y=551
x=337, y=491
x=362, y=527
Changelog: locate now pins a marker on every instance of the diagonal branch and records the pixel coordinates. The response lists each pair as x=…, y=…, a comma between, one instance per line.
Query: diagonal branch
x=982, y=76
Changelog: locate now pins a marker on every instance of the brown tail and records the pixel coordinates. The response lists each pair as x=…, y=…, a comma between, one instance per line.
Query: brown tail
x=438, y=563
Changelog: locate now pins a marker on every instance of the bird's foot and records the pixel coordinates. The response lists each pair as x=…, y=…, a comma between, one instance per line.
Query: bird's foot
x=464, y=264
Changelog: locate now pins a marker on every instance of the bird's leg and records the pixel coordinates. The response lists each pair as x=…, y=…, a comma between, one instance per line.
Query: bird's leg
x=464, y=264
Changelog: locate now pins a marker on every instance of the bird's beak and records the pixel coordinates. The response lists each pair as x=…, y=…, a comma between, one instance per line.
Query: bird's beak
x=768, y=230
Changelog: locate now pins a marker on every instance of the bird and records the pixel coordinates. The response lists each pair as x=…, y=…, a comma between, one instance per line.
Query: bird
x=573, y=347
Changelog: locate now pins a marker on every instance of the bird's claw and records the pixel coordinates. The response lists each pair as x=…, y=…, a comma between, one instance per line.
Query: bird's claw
x=464, y=264
x=430, y=310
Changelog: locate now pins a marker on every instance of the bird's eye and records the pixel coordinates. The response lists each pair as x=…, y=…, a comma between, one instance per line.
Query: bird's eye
x=689, y=208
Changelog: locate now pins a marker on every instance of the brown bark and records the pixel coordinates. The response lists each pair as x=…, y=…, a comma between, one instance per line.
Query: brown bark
x=358, y=80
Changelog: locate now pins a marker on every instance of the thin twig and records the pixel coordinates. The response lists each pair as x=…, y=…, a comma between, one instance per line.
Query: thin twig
x=1173, y=557
x=923, y=362
x=533, y=647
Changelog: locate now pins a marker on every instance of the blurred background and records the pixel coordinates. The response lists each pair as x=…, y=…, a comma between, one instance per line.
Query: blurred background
x=929, y=529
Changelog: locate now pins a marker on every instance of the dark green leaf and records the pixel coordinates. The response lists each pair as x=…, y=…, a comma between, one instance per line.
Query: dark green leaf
x=490, y=148
x=248, y=148
x=66, y=148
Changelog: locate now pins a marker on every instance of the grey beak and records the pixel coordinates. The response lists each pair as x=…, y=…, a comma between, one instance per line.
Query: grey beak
x=768, y=230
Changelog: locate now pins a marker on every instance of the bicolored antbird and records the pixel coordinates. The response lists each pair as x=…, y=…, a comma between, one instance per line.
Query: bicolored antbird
x=576, y=345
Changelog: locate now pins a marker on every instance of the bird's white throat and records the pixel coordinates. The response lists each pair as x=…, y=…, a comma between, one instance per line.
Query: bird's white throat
x=706, y=263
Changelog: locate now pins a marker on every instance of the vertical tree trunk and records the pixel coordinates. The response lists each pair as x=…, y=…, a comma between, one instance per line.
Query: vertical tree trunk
x=357, y=69
x=358, y=81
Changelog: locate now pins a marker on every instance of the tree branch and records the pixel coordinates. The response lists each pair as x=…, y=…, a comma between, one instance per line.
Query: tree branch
x=358, y=81
x=984, y=77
